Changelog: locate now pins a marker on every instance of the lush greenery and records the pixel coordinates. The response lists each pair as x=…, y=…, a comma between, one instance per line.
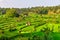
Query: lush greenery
x=36, y=23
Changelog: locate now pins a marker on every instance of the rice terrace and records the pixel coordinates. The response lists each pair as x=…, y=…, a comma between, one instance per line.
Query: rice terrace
x=35, y=23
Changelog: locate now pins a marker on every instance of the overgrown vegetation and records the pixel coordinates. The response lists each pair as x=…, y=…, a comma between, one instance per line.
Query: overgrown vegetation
x=36, y=23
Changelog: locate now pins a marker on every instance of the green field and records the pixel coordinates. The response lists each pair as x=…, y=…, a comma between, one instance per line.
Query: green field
x=29, y=25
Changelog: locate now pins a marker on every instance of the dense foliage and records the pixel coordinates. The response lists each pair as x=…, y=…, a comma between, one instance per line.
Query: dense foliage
x=36, y=23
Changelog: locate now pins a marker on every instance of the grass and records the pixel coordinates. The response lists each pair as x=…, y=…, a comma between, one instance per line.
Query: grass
x=37, y=21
